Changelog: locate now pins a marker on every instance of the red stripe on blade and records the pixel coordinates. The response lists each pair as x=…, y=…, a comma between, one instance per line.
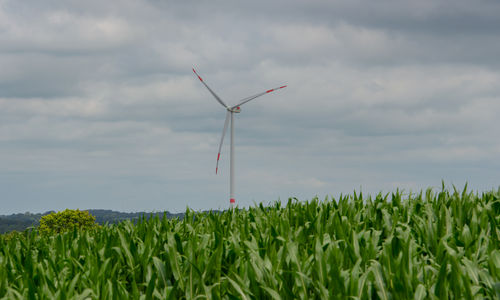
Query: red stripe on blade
x=282, y=86
x=269, y=91
x=216, y=170
x=200, y=78
x=218, y=155
x=232, y=200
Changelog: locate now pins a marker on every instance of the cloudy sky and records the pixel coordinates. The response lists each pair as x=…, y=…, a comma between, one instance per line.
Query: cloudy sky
x=99, y=107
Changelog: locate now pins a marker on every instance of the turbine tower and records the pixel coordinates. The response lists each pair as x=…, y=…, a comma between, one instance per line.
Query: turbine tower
x=231, y=110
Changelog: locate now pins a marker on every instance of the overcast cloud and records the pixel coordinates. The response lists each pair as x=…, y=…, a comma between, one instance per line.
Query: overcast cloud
x=99, y=107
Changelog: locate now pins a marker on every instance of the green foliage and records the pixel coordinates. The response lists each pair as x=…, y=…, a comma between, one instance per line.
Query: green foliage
x=442, y=245
x=18, y=222
x=66, y=220
x=12, y=235
x=21, y=222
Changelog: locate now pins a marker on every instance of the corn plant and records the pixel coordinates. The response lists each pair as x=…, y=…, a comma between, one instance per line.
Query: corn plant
x=429, y=245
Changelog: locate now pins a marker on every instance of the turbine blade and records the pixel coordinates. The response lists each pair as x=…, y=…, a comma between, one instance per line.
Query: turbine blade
x=212, y=92
x=245, y=100
x=222, y=140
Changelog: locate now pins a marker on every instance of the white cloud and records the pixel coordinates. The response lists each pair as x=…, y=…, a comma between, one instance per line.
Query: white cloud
x=63, y=31
x=65, y=107
x=99, y=106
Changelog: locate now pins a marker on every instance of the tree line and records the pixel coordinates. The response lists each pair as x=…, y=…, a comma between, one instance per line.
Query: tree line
x=23, y=221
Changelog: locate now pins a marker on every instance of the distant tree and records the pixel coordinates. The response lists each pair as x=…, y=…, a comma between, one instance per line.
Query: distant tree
x=66, y=220
x=8, y=224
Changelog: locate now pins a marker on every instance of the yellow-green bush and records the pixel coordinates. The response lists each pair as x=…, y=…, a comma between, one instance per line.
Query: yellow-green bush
x=66, y=220
x=11, y=235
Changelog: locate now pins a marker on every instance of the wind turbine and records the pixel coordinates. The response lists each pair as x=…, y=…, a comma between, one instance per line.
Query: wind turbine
x=231, y=110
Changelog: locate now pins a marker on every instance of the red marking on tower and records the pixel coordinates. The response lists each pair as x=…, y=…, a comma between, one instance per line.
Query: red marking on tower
x=232, y=201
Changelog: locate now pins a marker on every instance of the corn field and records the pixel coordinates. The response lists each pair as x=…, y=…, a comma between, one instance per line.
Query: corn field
x=430, y=245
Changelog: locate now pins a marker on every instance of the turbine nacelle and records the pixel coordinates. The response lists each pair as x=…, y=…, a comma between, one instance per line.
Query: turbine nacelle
x=236, y=109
